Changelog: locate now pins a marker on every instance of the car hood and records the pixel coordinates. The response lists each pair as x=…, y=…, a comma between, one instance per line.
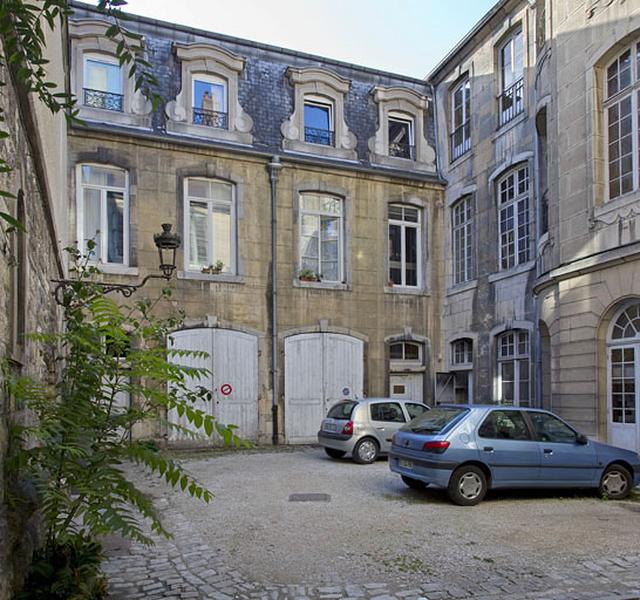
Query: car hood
x=608, y=451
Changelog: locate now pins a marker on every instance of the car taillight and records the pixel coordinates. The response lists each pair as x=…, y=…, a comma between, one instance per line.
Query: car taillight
x=348, y=428
x=435, y=446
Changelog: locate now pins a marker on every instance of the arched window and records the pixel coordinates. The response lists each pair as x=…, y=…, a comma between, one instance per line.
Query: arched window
x=409, y=351
x=514, y=368
x=210, y=226
x=103, y=213
x=621, y=105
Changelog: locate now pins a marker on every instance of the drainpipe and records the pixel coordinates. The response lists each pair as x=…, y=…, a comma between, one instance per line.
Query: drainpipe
x=274, y=171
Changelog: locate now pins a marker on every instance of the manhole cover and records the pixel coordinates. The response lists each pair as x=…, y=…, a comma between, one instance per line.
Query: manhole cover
x=309, y=498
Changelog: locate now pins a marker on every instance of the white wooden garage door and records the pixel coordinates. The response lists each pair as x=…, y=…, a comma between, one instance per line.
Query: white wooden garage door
x=320, y=369
x=233, y=378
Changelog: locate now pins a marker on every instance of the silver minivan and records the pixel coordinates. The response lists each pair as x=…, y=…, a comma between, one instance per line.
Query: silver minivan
x=364, y=428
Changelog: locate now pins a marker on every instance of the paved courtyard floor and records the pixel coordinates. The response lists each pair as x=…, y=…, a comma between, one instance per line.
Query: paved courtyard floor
x=363, y=534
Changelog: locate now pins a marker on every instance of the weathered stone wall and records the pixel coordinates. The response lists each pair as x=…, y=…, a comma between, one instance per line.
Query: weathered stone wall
x=28, y=262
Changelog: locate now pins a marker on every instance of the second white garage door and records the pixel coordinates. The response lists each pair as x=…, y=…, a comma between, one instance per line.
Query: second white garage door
x=320, y=369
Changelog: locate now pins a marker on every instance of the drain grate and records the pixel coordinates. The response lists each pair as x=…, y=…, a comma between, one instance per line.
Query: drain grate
x=309, y=498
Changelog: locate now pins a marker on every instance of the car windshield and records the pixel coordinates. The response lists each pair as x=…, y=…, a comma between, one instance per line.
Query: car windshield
x=342, y=410
x=435, y=420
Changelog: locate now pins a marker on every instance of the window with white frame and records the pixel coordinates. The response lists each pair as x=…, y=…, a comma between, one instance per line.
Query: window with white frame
x=514, y=385
x=209, y=96
x=401, y=142
x=321, y=237
x=404, y=245
x=462, y=352
x=210, y=226
x=103, y=213
x=406, y=351
x=460, y=119
x=103, y=82
x=622, y=110
x=462, y=239
x=511, y=57
x=513, y=218
x=318, y=120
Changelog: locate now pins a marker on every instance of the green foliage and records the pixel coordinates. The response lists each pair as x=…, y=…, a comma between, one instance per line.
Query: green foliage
x=66, y=571
x=82, y=442
x=23, y=26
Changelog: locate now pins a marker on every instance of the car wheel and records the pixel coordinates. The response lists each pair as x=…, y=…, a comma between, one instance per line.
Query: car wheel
x=616, y=482
x=467, y=485
x=334, y=453
x=365, y=451
x=414, y=484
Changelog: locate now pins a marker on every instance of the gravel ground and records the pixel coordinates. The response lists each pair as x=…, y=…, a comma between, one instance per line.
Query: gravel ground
x=375, y=529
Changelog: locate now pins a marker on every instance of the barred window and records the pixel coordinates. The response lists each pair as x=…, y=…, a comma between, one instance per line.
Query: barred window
x=511, y=98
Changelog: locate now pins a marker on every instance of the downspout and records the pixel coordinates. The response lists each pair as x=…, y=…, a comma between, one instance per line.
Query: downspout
x=274, y=171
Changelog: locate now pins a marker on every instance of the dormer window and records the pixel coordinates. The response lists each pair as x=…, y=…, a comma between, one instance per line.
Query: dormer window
x=401, y=136
x=318, y=121
x=209, y=101
x=102, y=82
x=104, y=90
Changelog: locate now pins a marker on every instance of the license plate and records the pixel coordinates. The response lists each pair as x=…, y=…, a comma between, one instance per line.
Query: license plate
x=405, y=464
x=330, y=427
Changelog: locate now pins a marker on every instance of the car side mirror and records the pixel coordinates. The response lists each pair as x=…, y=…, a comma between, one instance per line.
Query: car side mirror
x=582, y=439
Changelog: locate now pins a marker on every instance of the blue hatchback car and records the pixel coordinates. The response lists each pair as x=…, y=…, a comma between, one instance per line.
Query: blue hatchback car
x=470, y=449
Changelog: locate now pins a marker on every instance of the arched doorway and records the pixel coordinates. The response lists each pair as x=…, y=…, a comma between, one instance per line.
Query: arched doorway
x=623, y=381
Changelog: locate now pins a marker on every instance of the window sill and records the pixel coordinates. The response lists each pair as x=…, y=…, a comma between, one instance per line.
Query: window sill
x=524, y=268
x=510, y=125
x=403, y=164
x=461, y=159
x=100, y=115
x=322, y=285
x=459, y=288
x=311, y=149
x=220, y=278
x=407, y=369
x=111, y=269
x=406, y=291
x=629, y=200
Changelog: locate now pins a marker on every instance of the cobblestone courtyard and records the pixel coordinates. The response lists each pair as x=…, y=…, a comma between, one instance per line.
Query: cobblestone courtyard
x=371, y=537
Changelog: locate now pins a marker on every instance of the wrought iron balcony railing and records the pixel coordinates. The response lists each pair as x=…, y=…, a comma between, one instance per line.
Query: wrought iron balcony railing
x=402, y=150
x=511, y=102
x=102, y=99
x=460, y=140
x=314, y=135
x=209, y=118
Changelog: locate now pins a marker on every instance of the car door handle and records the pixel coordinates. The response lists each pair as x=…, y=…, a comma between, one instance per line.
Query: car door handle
x=380, y=428
x=548, y=451
x=488, y=448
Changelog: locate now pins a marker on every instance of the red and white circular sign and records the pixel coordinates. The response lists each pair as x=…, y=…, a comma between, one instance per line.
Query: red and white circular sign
x=226, y=389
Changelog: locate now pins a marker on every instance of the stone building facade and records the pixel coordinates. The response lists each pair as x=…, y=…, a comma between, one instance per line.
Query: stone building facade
x=538, y=121
x=36, y=150
x=358, y=217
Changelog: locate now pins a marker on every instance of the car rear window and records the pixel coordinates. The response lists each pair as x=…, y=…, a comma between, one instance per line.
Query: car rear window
x=434, y=420
x=342, y=410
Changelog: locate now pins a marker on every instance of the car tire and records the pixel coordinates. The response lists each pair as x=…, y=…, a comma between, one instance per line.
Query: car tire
x=333, y=453
x=616, y=482
x=414, y=484
x=467, y=486
x=366, y=451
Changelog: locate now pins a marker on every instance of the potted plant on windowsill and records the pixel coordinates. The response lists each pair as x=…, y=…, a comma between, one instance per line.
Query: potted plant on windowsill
x=309, y=275
x=214, y=269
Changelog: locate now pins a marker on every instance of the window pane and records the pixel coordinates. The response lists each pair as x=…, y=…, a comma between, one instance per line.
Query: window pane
x=387, y=411
x=548, y=428
x=411, y=253
x=415, y=410
x=395, y=254
x=198, y=239
x=198, y=188
x=399, y=132
x=222, y=235
x=396, y=212
x=92, y=221
x=504, y=425
x=115, y=227
x=309, y=243
x=209, y=96
x=103, y=176
x=411, y=352
x=317, y=116
x=103, y=76
x=396, y=351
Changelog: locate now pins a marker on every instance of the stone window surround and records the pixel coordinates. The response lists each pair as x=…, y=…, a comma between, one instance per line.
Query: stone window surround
x=202, y=58
x=424, y=272
x=123, y=268
x=472, y=336
x=188, y=272
x=399, y=366
x=318, y=82
x=345, y=196
x=406, y=102
x=603, y=211
x=88, y=37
